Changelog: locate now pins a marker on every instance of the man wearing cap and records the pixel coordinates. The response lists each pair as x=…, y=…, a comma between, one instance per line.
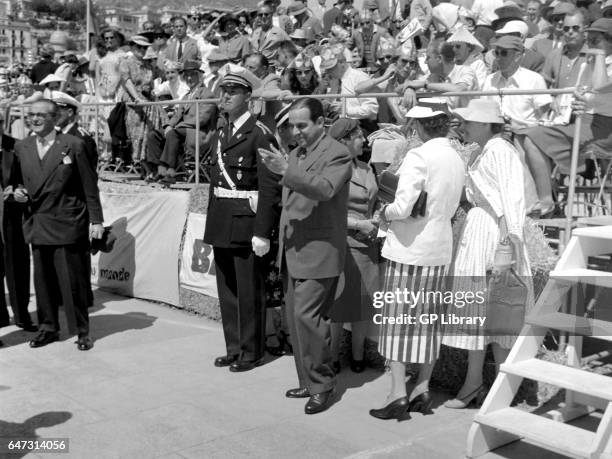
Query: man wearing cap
x=164, y=148
x=312, y=27
x=180, y=47
x=266, y=38
x=531, y=60
x=525, y=110
x=313, y=229
x=232, y=43
x=63, y=213
x=45, y=66
x=216, y=60
x=15, y=261
x=242, y=215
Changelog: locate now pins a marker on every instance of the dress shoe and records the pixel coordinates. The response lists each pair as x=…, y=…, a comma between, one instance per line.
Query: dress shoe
x=29, y=327
x=397, y=409
x=476, y=396
x=319, y=402
x=245, y=365
x=44, y=338
x=357, y=366
x=225, y=360
x=84, y=343
x=300, y=392
x=421, y=403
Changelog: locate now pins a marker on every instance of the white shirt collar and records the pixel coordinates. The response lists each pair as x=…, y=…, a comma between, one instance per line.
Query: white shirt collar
x=68, y=127
x=238, y=122
x=48, y=139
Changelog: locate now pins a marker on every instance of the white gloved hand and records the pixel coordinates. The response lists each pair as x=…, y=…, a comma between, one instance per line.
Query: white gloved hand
x=261, y=245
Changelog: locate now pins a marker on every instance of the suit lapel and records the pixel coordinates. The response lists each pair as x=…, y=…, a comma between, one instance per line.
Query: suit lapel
x=241, y=134
x=315, y=154
x=52, y=159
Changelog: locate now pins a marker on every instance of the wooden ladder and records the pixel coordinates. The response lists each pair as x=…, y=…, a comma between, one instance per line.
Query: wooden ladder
x=497, y=423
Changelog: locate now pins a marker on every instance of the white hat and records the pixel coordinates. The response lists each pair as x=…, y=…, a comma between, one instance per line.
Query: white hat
x=51, y=78
x=237, y=75
x=513, y=27
x=481, y=111
x=462, y=35
x=61, y=98
x=140, y=40
x=423, y=112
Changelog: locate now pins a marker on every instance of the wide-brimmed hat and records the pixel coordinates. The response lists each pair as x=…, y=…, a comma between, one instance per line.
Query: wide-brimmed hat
x=51, y=78
x=191, y=65
x=140, y=40
x=298, y=34
x=227, y=18
x=508, y=10
x=64, y=100
x=603, y=25
x=419, y=112
x=301, y=61
x=114, y=29
x=296, y=7
x=150, y=54
x=481, y=111
x=462, y=35
x=282, y=116
x=342, y=127
x=235, y=75
x=329, y=59
x=563, y=8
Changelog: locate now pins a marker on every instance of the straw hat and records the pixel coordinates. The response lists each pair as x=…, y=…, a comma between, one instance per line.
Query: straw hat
x=140, y=40
x=463, y=35
x=419, y=112
x=481, y=111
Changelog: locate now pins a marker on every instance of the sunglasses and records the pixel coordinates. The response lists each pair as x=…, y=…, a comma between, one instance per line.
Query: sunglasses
x=406, y=62
x=575, y=28
x=502, y=52
x=263, y=15
x=303, y=72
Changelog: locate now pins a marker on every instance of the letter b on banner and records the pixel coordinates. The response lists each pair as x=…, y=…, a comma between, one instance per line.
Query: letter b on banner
x=197, y=262
x=201, y=259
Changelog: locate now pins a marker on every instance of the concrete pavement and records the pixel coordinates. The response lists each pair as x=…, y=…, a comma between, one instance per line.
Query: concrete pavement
x=149, y=389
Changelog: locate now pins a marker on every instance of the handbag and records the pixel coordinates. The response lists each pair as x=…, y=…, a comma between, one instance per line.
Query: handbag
x=507, y=294
x=387, y=187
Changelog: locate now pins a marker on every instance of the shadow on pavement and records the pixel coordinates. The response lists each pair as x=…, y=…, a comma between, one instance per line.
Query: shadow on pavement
x=105, y=325
x=27, y=430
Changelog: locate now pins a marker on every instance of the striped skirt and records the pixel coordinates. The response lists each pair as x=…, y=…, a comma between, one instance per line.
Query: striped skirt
x=419, y=341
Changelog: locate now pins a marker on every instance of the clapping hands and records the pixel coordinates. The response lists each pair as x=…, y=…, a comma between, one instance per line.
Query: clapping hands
x=274, y=160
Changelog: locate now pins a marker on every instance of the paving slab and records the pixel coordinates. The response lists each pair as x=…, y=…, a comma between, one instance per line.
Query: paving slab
x=148, y=389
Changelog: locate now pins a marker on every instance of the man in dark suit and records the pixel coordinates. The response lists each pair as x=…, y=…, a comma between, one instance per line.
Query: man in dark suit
x=164, y=148
x=15, y=261
x=313, y=239
x=243, y=212
x=180, y=47
x=60, y=189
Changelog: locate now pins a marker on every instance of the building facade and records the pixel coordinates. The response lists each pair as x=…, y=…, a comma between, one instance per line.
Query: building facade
x=16, y=41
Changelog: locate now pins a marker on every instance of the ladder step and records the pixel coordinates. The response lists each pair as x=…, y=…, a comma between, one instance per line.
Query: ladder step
x=558, y=375
x=552, y=435
x=594, y=232
x=583, y=275
x=600, y=329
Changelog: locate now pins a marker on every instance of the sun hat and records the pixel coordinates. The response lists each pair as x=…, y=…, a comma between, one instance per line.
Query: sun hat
x=140, y=40
x=296, y=7
x=463, y=35
x=342, y=127
x=423, y=112
x=514, y=26
x=481, y=111
x=509, y=42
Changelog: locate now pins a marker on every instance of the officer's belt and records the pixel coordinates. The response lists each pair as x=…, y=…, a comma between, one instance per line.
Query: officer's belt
x=234, y=194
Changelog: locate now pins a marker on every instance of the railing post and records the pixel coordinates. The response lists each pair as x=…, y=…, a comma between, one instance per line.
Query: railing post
x=96, y=127
x=23, y=122
x=197, y=143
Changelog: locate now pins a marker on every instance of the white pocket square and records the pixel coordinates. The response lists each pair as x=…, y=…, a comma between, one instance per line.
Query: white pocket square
x=67, y=160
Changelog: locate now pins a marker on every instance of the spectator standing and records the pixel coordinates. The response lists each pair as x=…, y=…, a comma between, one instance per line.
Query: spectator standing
x=266, y=37
x=180, y=47
x=45, y=66
x=312, y=27
x=232, y=43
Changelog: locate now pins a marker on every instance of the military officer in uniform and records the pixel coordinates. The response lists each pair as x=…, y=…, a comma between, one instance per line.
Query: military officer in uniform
x=243, y=212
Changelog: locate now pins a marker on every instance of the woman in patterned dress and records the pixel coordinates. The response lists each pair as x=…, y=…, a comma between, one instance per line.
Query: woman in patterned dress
x=495, y=186
x=418, y=251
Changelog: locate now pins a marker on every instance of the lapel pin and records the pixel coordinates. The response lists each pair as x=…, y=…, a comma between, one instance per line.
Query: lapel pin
x=239, y=175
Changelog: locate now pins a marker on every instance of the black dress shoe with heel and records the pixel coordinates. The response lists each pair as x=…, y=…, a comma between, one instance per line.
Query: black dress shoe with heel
x=29, y=327
x=43, y=338
x=84, y=343
x=300, y=392
x=319, y=402
x=397, y=409
x=421, y=403
x=225, y=360
x=245, y=365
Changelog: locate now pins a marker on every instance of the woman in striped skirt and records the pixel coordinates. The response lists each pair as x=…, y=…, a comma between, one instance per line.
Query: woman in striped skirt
x=418, y=250
x=495, y=186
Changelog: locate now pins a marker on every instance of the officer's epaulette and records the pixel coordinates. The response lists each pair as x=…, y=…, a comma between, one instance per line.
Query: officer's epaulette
x=264, y=128
x=82, y=131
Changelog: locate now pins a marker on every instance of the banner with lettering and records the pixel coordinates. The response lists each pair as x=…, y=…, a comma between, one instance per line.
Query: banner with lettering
x=197, y=262
x=143, y=262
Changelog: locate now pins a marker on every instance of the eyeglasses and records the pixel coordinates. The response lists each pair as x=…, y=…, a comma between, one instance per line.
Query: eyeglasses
x=575, y=28
x=502, y=52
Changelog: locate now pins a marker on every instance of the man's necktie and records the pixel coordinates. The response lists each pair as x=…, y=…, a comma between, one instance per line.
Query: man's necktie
x=180, y=50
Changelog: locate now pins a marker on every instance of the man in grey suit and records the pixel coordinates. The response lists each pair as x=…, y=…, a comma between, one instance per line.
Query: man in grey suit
x=180, y=47
x=313, y=240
